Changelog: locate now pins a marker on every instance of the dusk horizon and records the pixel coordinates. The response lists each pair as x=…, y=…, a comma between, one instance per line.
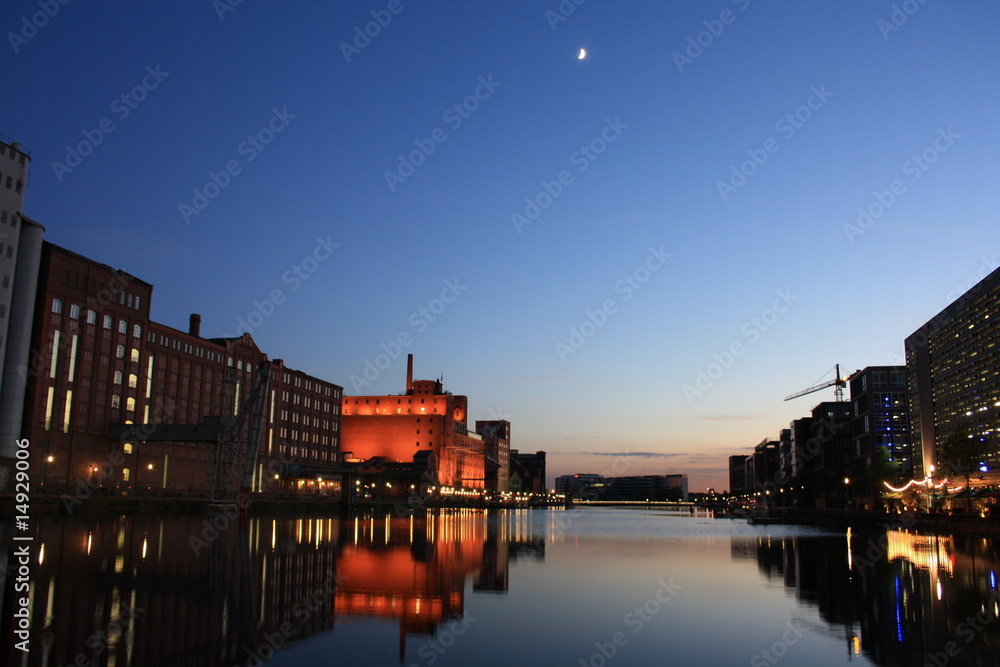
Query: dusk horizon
x=630, y=231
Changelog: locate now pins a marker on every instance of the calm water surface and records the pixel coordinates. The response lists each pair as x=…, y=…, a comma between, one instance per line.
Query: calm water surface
x=532, y=587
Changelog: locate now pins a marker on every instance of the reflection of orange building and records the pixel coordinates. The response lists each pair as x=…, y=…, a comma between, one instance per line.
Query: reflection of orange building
x=382, y=577
x=424, y=419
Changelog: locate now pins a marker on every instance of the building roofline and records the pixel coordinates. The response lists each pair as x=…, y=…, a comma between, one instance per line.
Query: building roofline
x=93, y=261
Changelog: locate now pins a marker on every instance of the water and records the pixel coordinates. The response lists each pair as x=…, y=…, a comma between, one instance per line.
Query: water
x=532, y=587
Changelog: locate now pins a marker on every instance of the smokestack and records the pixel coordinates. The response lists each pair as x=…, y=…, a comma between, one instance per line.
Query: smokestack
x=195, y=328
x=409, y=373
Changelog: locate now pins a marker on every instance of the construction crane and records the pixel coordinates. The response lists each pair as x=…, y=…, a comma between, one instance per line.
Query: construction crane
x=229, y=448
x=837, y=382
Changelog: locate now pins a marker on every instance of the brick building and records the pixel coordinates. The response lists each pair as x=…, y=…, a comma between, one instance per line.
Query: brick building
x=425, y=421
x=104, y=379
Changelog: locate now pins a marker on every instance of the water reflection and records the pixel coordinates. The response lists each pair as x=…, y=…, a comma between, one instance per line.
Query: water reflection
x=899, y=597
x=186, y=590
x=122, y=591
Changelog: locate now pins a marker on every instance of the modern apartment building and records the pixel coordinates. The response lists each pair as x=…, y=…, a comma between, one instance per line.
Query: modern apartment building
x=953, y=378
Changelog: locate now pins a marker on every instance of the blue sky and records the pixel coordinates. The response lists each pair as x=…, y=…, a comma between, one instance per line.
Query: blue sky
x=818, y=107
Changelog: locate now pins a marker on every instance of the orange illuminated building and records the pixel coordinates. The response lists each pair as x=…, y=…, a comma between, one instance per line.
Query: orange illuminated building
x=423, y=419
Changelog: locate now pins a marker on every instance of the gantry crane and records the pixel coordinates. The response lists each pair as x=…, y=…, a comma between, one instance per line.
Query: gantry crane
x=230, y=449
x=838, y=382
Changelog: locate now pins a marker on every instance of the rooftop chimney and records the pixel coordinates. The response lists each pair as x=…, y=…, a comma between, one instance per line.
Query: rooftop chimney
x=195, y=328
x=409, y=373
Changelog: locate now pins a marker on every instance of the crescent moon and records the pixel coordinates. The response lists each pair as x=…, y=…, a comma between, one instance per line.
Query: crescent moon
x=583, y=54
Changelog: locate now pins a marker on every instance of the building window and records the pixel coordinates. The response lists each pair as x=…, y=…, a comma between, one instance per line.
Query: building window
x=122, y=327
x=108, y=322
x=137, y=303
x=127, y=447
x=126, y=473
x=130, y=404
x=137, y=331
x=74, y=311
x=118, y=377
x=91, y=317
x=6, y=281
x=116, y=401
x=120, y=352
x=57, y=306
x=133, y=380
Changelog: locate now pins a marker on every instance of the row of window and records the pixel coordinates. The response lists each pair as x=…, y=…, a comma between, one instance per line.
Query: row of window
x=11, y=184
x=12, y=218
x=14, y=153
x=297, y=382
x=91, y=318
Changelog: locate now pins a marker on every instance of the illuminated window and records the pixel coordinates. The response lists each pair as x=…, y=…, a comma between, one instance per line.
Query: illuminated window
x=135, y=355
x=125, y=474
x=130, y=404
x=74, y=312
x=49, y=400
x=57, y=306
x=91, y=317
x=128, y=447
x=133, y=380
x=116, y=401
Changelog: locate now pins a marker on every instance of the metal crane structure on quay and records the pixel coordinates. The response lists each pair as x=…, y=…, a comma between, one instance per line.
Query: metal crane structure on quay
x=837, y=382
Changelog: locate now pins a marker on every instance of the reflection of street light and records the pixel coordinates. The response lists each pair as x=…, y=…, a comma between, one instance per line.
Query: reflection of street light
x=930, y=485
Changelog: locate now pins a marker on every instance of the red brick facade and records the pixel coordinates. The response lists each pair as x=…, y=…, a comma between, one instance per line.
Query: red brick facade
x=426, y=419
x=99, y=361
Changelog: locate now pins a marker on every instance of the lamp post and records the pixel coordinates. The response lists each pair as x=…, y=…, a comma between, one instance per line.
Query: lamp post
x=847, y=490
